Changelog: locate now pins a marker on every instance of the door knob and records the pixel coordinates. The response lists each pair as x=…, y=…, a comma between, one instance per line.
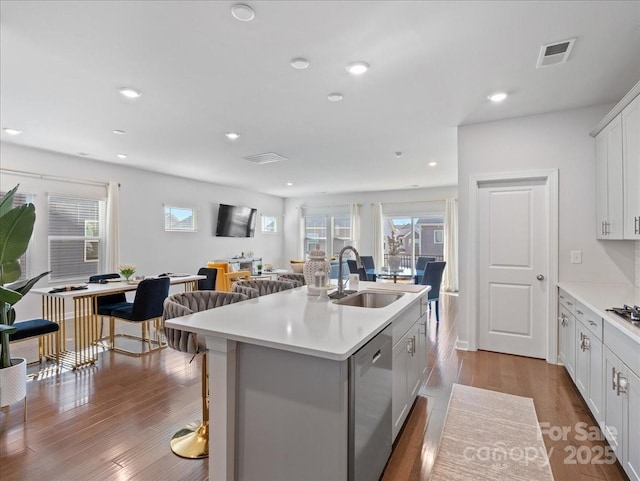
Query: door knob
x=540, y=277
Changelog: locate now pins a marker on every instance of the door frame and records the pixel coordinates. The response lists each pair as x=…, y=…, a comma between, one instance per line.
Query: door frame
x=550, y=178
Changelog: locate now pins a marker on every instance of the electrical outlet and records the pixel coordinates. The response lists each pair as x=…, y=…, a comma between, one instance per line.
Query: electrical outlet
x=576, y=257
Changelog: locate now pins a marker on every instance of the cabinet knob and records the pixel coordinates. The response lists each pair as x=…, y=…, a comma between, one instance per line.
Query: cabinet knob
x=622, y=384
x=540, y=277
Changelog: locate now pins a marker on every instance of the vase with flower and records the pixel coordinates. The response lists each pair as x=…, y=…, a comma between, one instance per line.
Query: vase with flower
x=126, y=271
x=395, y=248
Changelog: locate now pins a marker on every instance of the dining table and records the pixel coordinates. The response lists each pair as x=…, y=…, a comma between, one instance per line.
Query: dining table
x=402, y=274
x=84, y=297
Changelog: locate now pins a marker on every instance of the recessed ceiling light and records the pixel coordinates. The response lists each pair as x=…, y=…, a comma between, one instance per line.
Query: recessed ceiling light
x=83, y=154
x=335, y=97
x=289, y=184
x=232, y=135
x=432, y=164
x=119, y=132
x=357, y=68
x=498, y=97
x=242, y=12
x=11, y=131
x=299, y=63
x=129, y=92
x=122, y=156
x=398, y=154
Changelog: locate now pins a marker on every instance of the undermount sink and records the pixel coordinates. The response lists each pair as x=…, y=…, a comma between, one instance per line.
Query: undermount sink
x=370, y=299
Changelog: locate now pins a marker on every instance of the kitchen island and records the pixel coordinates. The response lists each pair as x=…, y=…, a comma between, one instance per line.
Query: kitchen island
x=279, y=377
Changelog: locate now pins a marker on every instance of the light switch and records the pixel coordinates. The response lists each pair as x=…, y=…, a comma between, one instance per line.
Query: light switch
x=576, y=257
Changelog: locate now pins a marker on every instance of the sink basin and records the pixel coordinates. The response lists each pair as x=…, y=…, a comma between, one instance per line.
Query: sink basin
x=370, y=299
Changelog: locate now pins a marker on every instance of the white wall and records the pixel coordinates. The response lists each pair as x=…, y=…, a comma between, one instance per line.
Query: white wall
x=556, y=140
x=143, y=241
x=366, y=199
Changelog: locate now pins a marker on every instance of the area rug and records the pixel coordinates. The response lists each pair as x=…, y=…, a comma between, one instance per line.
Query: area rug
x=490, y=436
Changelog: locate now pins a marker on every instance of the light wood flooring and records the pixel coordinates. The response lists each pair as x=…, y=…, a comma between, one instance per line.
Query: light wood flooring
x=113, y=421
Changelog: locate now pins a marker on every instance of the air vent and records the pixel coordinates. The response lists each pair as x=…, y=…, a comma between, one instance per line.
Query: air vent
x=555, y=53
x=265, y=158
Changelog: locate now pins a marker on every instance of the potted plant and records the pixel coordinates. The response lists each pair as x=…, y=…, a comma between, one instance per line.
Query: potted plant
x=395, y=248
x=259, y=267
x=16, y=228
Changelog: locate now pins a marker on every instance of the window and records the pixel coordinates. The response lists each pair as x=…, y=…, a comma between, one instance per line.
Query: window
x=20, y=198
x=421, y=235
x=76, y=237
x=330, y=231
x=180, y=219
x=269, y=224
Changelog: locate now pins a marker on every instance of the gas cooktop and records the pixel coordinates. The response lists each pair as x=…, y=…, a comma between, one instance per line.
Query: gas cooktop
x=629, y=313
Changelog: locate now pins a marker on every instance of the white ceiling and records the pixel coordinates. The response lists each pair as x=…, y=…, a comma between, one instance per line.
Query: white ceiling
x=203, y=73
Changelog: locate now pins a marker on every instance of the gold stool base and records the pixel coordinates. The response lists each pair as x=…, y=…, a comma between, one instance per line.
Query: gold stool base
x=191, y=442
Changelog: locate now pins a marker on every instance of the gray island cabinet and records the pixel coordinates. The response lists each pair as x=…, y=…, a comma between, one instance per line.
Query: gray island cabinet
x=279, y=379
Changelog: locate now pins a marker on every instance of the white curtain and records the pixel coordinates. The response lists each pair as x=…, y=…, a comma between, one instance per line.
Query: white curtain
x=112, y=254
x=450, y=277
x=378, y=235
x=355, y=225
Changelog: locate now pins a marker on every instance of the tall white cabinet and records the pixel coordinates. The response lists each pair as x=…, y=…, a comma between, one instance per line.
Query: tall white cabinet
x=618, y=170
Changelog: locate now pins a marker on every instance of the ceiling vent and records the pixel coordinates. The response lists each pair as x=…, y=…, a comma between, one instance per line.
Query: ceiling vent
x=266, y=158
x=555, y=53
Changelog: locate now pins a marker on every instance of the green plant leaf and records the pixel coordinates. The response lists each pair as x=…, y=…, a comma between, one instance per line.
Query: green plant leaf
x=9, y=296
x=25, y=285
x=6, y=204
x=16, y=227
x=9, y=272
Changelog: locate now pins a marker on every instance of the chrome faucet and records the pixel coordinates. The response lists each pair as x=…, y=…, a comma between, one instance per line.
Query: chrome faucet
x=340, y=292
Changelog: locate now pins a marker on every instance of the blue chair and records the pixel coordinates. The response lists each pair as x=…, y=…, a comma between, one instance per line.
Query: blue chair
x=369, y=267
x=107, y=303
x=208, y=284
x=421, y=263
x=37, y=328
x=146, y=307
x=433, y=277
x=353, y=269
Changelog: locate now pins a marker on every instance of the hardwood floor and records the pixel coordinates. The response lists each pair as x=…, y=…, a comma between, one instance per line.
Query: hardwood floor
x=113, y=421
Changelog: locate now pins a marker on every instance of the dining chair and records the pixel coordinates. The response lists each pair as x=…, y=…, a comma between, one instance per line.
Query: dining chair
x=421, y=263
x=433, y=277
x=193, y=440
x=232, y=277
x=107, y=303
x=260, y=287
x=221, y=280
x=295, y=278
x=354, y=269
x=146, y=307
x=208, y=284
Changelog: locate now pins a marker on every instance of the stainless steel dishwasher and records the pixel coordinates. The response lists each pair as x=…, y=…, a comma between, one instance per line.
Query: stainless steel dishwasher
x=370, y=385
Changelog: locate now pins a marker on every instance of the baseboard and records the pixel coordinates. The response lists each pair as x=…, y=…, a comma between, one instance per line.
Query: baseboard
x=462, y=345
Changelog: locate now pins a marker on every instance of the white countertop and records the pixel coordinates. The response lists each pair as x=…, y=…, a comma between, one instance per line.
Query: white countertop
x=600, y=297
x=293, y=321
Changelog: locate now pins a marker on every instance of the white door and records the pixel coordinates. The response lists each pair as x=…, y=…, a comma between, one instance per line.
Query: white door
x=512, y=258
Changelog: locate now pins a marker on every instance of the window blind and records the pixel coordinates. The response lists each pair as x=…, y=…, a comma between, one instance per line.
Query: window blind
x=76, y=237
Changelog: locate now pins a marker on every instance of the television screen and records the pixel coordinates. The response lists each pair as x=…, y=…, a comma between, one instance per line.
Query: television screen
x=236, y=221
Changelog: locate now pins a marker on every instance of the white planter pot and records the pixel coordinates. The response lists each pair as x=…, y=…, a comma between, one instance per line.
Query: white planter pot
x=13, y=382
x=394, y=262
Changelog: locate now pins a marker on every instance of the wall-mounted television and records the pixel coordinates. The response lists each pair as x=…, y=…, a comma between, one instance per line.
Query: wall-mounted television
x=236, y=221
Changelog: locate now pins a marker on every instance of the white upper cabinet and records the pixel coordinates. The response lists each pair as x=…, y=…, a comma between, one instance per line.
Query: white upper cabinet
x=609, y=181
x=618, y=170
x=631, y=169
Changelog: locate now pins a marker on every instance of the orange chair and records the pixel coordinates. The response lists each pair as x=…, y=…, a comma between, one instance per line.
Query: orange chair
x=221, y=279
x=231, y=277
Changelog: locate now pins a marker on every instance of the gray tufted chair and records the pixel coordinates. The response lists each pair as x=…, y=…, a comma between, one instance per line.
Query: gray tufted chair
x=295, y=278
x=260, y=287
x=193, y=440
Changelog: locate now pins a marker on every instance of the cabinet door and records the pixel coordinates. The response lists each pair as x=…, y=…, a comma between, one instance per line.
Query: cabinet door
x=571, y=343
x=614, y=404
x=595, y=378
x=632, y=425
x=609, y=198
x=399, y=396
x=631, y=168
x=582, y=361
x=416, y=361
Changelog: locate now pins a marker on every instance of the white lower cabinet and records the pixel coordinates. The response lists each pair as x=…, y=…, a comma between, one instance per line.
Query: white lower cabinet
x=566, y=341
x=622, y=415
x=588, y=378
x=409, y=369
